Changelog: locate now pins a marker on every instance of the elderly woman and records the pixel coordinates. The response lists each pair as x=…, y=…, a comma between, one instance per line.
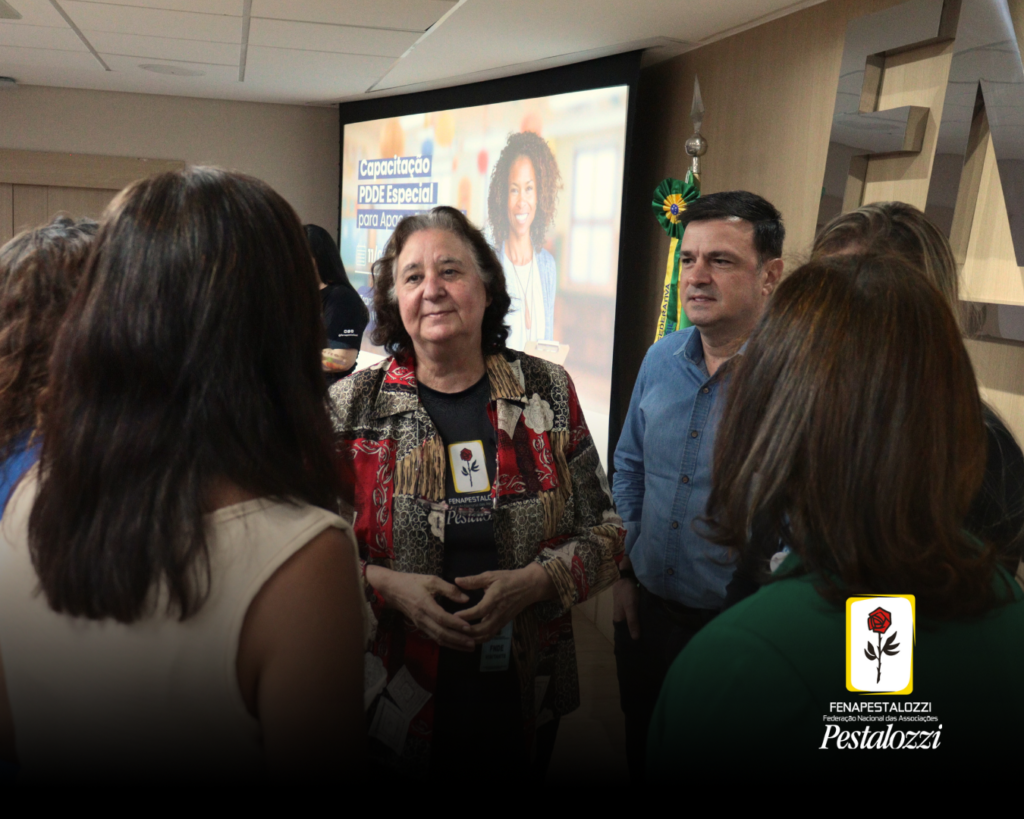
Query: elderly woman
x=864, y=460
x=520, y=208
x=482, y=511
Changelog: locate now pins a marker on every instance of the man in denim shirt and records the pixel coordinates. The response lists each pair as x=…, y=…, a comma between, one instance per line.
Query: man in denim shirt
x=673, y=580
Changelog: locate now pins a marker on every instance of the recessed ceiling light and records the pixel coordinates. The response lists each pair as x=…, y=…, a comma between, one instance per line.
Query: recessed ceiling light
x=176, y=70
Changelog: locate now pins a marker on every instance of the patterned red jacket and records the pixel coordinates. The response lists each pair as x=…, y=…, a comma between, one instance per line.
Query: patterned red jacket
x=552, y=505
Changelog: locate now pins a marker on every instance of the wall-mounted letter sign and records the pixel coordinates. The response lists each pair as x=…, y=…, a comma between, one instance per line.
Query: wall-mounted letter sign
x=984, y=92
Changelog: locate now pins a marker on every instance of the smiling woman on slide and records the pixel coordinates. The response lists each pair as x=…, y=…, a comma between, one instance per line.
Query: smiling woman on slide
x=520, y=208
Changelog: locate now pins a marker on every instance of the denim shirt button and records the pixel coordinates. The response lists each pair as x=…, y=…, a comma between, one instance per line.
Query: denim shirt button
x=686, y=478
x=670, y=572
x=706, y=390
x=675, y=524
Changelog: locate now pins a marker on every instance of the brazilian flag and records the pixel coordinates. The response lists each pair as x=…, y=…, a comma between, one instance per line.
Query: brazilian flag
x=670, y=200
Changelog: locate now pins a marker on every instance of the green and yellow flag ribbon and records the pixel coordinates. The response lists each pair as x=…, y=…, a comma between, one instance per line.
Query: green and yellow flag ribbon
x=670, y=200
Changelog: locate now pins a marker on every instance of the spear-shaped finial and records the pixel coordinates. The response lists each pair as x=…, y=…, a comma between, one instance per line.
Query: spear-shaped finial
x=697, y=109
x=696, y=146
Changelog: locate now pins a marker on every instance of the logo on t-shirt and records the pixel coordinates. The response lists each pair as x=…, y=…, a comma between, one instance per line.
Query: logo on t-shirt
x=469, y=469
x=880, y=644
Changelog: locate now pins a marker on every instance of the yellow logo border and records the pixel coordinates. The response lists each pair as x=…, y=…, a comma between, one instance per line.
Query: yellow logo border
x=454, y=466
x=849, y=643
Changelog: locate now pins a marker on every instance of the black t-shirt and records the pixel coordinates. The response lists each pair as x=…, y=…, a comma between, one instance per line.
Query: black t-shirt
x=345, y=316
x=475, y=712
x=470, y=456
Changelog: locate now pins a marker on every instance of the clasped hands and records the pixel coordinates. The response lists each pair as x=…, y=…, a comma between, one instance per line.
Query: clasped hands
x=506, y=593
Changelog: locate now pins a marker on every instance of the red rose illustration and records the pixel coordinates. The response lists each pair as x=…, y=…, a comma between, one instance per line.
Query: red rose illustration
x=879, y=620
x=471, y=465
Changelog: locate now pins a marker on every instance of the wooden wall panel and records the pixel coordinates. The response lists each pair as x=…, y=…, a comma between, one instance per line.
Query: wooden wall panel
x=36, y=185
x=77, y=170
x=31, y=208
x=6, y=212
x=79, y=202
x=1000, y=372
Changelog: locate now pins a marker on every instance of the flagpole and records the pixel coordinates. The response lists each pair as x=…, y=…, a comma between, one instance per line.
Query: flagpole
x=670, y=200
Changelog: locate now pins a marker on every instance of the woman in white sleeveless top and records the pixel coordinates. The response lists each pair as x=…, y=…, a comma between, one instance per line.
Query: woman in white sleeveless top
x=178, y=599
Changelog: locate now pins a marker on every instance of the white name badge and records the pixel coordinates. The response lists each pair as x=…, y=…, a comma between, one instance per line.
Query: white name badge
x=496, y=653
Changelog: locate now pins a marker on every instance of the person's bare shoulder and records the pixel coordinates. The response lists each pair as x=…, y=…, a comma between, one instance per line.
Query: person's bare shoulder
x=300, y=658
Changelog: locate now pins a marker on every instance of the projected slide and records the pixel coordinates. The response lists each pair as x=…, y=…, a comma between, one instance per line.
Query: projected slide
x=543, y=179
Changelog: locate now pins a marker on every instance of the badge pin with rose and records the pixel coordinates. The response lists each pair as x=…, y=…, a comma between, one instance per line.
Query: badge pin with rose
x=879, y=621
x=470, y=466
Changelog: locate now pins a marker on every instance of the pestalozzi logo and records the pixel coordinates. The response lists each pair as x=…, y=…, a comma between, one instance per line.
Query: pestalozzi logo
x=880, y=739
x=878, y=660
x=880, y=638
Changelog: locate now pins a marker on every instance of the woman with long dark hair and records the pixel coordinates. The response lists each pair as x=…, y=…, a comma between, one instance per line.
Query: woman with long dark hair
x=853, y=434
x=178, y=598
x=345, y=314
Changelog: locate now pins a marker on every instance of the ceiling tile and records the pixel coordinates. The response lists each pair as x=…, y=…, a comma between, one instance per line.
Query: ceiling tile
x=211, y=73
x=165, y=48
x=482, y=39
x=35, y=13
x=128, y=20
x=312, y=76
x=62, y=39
x=487, y=34
x=402, y=15
x=12, y=58
x=339, y=39
x=231, y=8
x=222, y=87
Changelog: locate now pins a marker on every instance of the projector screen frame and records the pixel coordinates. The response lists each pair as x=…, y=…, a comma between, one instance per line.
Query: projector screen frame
x=616, y=70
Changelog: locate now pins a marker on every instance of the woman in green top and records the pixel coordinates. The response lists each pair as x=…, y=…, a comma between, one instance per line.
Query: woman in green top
x=854, y=435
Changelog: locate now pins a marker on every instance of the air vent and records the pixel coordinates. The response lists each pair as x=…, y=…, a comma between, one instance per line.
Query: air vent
x=7, y=12
x=174, y=70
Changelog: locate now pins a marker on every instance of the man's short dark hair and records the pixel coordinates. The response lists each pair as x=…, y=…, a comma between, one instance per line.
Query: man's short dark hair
x=767, y=221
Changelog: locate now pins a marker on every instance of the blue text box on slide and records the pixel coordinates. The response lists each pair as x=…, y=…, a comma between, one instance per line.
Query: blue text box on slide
x=381, y=219
x=403, y=193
